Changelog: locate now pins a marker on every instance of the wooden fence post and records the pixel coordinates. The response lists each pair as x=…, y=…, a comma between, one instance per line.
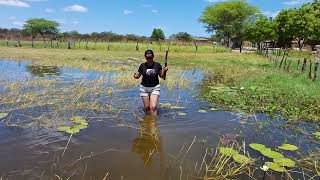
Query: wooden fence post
x=310, y=69
x=303, y=69
x=298, y=64
x=69, y=44
x=137, y=46
x=316, y=65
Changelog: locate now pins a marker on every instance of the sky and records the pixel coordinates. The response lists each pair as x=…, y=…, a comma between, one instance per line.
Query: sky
x=124, y=16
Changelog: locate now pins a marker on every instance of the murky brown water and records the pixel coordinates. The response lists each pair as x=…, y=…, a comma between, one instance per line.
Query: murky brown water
x=128, y=144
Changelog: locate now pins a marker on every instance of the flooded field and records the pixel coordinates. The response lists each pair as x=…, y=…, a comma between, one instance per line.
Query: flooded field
x=40, y=104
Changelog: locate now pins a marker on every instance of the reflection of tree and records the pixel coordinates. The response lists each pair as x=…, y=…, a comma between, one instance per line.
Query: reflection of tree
x=42, y=71
x=148, y=143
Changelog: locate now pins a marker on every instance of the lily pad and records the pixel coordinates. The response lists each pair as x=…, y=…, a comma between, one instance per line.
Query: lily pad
x=73, y=130
x=64, y=128
x=315, y=133
x=78, y=119
x=182, y=114
x=288, y=147
x=213, y=109
x=202, y=111
x=285, y=162
x=81, y=126
x=3, y=115
x=241, y=159
x=227, y=151
x=257, y=147
x=271, y=154
x=274, y=166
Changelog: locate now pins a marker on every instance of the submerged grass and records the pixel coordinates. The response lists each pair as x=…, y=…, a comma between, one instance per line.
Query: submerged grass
x=256, y=85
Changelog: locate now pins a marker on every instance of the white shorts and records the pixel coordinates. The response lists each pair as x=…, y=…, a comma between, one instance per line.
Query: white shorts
x=148, y=91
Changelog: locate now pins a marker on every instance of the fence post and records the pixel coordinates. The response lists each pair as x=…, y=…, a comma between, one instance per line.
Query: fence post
x=310, y=69
x=69, y=44
x=298, y=64
x=137, y=46
x=304, y=65
x=316, y=65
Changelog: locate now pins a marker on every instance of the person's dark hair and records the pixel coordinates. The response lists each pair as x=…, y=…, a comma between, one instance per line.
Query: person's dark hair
x=149, y=51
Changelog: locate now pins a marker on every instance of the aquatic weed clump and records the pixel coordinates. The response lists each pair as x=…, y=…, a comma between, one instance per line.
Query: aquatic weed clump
x=287, y=99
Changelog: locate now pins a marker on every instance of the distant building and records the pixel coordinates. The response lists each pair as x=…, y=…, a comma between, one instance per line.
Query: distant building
x=201, y=40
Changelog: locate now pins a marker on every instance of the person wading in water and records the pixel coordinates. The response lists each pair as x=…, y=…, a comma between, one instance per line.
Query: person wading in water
x=150, y=87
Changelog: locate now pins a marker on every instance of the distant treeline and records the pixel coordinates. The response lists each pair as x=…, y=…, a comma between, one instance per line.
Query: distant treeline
x=25, y=35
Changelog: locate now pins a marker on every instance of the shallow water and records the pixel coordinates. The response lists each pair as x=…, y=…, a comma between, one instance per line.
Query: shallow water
x=127, y=144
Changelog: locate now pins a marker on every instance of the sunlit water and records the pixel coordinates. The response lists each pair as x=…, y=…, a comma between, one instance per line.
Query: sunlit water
x=130, y=145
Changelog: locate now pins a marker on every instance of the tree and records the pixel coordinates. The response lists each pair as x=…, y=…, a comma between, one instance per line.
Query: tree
x=263, y=29
x=41, y=26
x=228, y=18
x=157, y=34
x=182, y=36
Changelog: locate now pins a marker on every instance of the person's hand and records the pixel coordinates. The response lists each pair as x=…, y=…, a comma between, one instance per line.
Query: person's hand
x=165, y=69
x=136, y=75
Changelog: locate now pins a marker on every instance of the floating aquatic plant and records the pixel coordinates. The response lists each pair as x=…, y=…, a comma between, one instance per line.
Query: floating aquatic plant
x=285, y=162
x=257, y=147
x=63, y=128
x=3, y=115
x=182, y=114
x=288, y=147
x=213, y=109
x=227, y=151
x=274, y=166
x=316, y=134
x=271, y=154
x=78, y=124
x=241, y=158
x=170, y=106
x=202, y=111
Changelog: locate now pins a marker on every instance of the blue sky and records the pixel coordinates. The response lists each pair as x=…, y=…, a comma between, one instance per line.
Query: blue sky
x=123, y=16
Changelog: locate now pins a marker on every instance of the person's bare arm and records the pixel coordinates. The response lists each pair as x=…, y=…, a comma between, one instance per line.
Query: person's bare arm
x=137, y=75
x=163, y=72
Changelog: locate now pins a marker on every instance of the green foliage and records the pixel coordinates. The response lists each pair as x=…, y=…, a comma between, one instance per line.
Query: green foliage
x=202, y=111
x=317, y=134
x=288, y=147
x=274, y=166
x=285, y=162
x=227, y=151
x=78, y=124
x=271, y=154
x=41, y=26
x=257, y=147
x=157, y=34
x=3, y=115
x=182, y=36
x=182, y=114
x=227, y=18
x=241, y=159
x=262, y=30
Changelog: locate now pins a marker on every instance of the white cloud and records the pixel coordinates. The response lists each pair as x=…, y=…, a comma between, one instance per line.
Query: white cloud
x=155, y=11
x=18, y=23
x=49, y=10
x=76, y=8
x=295, y=2
x=270, y=14
x=127, y=12
x=16, y=3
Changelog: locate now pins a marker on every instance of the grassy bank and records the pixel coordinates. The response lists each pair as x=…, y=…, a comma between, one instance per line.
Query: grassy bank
x=246, y=82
